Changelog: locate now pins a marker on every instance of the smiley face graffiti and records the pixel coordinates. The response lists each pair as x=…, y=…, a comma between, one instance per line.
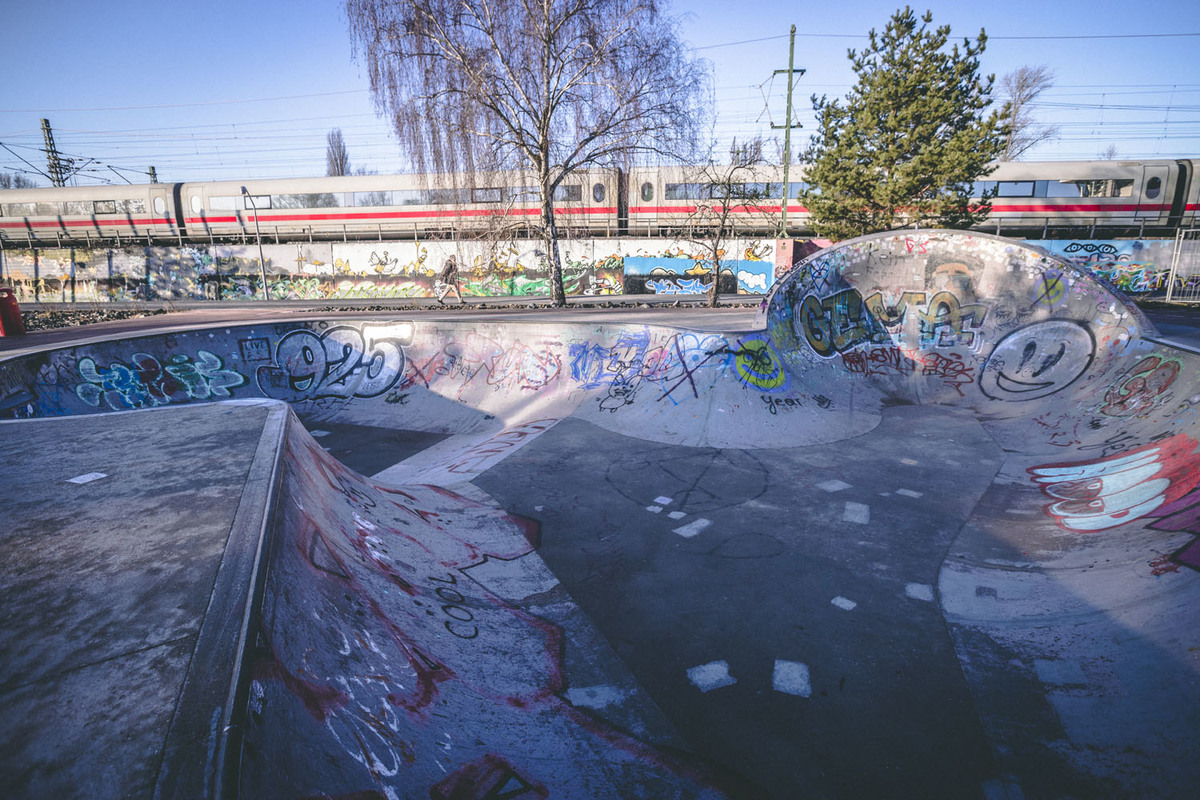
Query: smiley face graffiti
x=1038, y=360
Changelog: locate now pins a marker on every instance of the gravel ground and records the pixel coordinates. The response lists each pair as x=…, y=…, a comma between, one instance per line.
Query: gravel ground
x=39, y=320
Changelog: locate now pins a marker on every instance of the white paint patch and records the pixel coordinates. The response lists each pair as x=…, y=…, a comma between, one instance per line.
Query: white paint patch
x=752, y=280
x=1057, y=672
x=919, y=591
x=791, y=677
x=318, y=434
x=663, y=501
x=513, y=580
x=910, y=493
x=833, y=486
x=693, y=528
x=712, y=675
x=596, y=696
x=857, y=512
x=538, y=508
x=910, y=462
x=677, y=515
x=91, y=476
x=654, y=509
x=843, y=603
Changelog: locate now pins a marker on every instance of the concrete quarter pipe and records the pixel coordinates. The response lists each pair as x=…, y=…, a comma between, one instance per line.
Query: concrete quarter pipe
x=929, y=530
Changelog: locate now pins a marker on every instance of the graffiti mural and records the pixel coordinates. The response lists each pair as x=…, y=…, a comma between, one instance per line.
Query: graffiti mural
x=146, y=382
x=1135, y=266
x=343, y=361
x=1038, y=360
x=1097, y=495
x=1142, y=388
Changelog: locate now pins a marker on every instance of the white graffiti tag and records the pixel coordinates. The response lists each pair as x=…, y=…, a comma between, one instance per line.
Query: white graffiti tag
x=343, y=361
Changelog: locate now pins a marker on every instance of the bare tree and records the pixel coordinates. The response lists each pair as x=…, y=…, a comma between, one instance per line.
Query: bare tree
x=337, y=160
x=15, y=180
x=720, y=190
x=1019, y=90
x=545, y=86
x=1108, y=154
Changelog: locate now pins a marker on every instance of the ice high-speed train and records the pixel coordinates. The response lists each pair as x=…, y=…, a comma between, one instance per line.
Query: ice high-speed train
x=1038, y=199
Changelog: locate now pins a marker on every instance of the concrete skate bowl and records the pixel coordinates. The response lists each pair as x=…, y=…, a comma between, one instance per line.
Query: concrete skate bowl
x=929, y=531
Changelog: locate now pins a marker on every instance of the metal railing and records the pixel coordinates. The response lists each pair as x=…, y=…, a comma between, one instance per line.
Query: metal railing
x=1184, y=283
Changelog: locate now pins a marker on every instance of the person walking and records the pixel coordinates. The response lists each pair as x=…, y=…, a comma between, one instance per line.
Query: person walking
x=448, y=281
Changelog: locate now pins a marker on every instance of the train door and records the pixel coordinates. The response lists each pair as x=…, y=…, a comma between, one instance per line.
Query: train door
x=161, y=208
x=1153, y=199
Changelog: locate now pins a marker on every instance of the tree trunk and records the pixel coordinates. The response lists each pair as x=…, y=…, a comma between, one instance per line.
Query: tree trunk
x=558, y=297
x=712, y=290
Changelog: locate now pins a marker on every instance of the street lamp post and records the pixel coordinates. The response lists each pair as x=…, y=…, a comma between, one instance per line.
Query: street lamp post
x=262, y=262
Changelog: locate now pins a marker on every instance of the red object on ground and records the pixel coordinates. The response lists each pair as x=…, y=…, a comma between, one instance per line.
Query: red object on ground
x=11, y=323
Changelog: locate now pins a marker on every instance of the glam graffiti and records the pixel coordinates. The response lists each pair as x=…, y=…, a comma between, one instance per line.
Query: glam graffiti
x=145, y=382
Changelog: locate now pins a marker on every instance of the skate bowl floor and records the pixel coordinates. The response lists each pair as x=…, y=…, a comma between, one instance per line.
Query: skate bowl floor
x=927, y=528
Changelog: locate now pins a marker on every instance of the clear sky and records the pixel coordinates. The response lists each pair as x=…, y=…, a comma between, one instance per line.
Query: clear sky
x=250, y=89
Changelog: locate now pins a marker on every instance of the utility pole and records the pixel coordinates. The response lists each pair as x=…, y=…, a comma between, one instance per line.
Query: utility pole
x=54, y=165
x=153, y=175
x=787, y=131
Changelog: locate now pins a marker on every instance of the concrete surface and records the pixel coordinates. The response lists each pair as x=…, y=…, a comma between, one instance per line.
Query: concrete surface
x=924, y=527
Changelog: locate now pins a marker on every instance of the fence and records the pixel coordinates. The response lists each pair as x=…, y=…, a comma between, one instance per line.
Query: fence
x=1184, y=285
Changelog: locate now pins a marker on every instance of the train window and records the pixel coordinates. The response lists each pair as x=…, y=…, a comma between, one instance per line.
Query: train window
x=257, y=202
x=223, y=203
x=569, y=194
x=523, y=194
x=980, y=188
x=373, y=199
x=489, y=195
x=160, y=206
x=444, y=197
x=1114, y=187
x=301, y=200
x=106, y=206
x=1153, y=188
x=679, y=191
x=18, y=209
x=133, y=206
x=1015, y=189
x=1062, y=189
x=408, y=197
x=48, y=209
x=79, y=208
x=794, y=189
x=197, y=206
x=647, y=192
x=598, y=192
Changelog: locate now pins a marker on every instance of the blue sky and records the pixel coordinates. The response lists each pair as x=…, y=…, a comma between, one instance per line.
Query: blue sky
x=231, y=90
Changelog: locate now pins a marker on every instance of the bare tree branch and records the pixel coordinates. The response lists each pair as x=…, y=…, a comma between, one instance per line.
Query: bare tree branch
x=548, y=87
x=1020, y=89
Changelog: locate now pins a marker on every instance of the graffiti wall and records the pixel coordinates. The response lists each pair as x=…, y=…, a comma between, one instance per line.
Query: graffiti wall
x=1135, y=266
x=380, y=270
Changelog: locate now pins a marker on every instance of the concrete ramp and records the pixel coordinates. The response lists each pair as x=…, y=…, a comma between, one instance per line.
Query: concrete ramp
x=929, y=529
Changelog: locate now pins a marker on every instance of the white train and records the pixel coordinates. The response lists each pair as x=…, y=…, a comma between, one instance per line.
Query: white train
x=1040, y=199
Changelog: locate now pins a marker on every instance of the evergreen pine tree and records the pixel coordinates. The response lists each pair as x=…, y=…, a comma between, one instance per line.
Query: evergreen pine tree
x=911, y=137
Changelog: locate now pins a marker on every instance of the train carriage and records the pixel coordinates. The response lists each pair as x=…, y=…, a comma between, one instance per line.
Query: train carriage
x=665, y=200
x=82, y=214
x=389, y=206
x=1039, y=200
x=1133, y=197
